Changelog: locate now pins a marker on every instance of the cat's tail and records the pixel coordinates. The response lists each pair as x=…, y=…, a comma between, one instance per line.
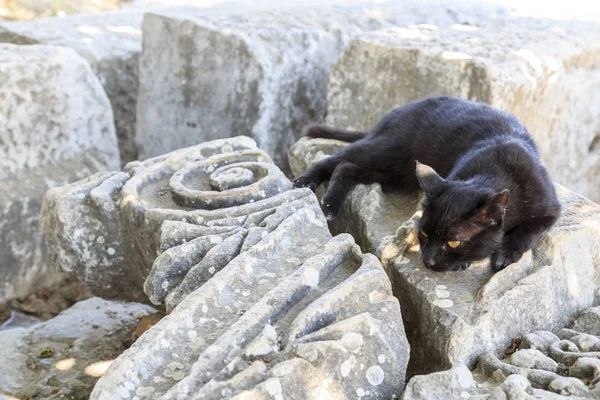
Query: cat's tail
x=317, y=131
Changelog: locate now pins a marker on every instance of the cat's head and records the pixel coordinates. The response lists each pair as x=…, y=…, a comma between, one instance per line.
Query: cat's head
x=462, y=222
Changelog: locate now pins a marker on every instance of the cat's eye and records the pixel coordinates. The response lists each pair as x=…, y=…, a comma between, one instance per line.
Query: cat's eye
x=424, y=234
x=453, y=244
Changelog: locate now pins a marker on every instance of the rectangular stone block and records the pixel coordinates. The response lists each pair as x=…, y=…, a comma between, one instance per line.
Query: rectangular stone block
x=55, y=127
x=254, y=70
x=111, y=43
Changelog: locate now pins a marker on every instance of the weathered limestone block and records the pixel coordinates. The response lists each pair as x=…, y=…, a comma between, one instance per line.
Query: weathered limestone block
x=545, y=73
x=111, y=43
x=545, y=366
x=455, y=317
x=204, y=77
x=56, y=126
x=63, y=357
x=107, y=229
x=292, y=316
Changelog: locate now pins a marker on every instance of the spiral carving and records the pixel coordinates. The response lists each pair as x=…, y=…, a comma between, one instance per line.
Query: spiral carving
x=227, y=181
x=108, y=229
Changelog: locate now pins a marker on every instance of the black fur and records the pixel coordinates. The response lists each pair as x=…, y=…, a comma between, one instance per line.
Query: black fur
x=485, y=185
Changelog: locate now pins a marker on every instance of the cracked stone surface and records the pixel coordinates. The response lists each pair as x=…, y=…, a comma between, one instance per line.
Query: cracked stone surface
x=265, y=69
x=63, y=357
x=298, y=314
x=544, y=72
x=455, y=317
x=56, y=126
x=111, y=43
x=545, y=366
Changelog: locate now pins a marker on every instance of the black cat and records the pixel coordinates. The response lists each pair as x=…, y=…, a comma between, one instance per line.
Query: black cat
x=490, y=194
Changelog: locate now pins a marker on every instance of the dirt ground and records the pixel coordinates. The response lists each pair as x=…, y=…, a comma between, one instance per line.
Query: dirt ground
x=46, y=303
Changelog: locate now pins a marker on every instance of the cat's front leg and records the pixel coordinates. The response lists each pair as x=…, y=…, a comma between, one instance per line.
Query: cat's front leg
x=342, y=181
x=345, y=176
x=505, y=256
x=317, y=174
x=522, y=239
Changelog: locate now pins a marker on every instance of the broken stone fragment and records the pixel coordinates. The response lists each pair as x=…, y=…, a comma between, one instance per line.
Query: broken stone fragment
x=296, y=307
x=108, y=229
x=567, y=364
x=261, y=299
x=64, y=356
x=531, y=358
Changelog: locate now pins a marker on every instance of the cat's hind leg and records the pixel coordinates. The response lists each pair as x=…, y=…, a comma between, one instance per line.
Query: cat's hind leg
x=345, y=176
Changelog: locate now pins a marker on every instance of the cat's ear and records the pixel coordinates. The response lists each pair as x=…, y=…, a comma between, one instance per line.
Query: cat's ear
x=493, y=212
x=430, y=181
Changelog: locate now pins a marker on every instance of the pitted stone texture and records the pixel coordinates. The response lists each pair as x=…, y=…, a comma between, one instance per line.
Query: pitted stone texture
x=460, y=383
x=108, y=228
x=55, y=127
x=259, y=70
x=574, y=352
x=296, y=315
x=111, y=43
x=545, y=366
x=544, y=72
x=454, y=317
x=63, y=357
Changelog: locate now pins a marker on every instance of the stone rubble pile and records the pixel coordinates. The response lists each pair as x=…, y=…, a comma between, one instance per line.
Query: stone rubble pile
x=545, y=366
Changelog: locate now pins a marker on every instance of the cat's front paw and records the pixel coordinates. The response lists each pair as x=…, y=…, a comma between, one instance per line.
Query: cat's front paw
x=460, y=267
x=503, y=258
x=302, y=182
